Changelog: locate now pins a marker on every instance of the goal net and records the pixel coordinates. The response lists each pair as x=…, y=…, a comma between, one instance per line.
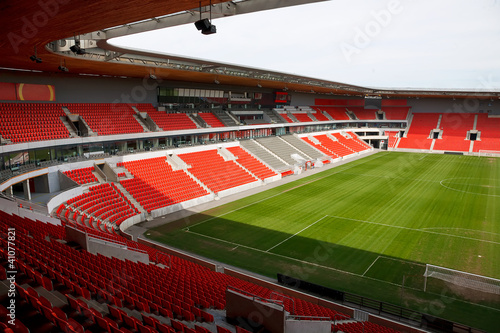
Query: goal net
x=490, y=153
x=462, y=279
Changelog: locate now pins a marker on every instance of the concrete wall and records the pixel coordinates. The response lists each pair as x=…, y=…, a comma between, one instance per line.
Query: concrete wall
x=269, y=315
x=42, y=184
x=449, y=105
x=63, y=197
x=110, y=249
x=307, y=326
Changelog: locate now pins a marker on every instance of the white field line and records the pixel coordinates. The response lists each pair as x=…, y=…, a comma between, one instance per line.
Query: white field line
x=280, y=193
x=295, y=234
x=370, y=266
x=413, y=229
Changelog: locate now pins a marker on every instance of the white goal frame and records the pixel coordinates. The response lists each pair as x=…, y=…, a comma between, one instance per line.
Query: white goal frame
x=490, y=153
x=463, y=279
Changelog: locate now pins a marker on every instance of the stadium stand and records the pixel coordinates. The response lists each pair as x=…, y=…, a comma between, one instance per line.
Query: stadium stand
x=320, y=116
x=351, y=141
x=335, y=148
x=418, y=136
x=302, y=146
x=24, y=122
x=286, y=117
x=171, y=121
x=107, y=118
x=265, y=155
x=490, y=133
x=396, y=113
x=211, y=119
x=281, y=149
x=337, y=113
x=216, y=173
x=393, y=138
x=156, y=184
x=455, y=127
x=103, y=203
x=302, y=117
x=363, y=114
x=82, y=176
x=252, y=164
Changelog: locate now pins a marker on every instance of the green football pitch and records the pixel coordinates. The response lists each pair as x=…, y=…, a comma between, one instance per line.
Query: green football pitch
x=368, y=227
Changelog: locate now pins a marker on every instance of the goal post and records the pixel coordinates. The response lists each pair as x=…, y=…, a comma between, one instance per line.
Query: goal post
x=462, y=279
x=489, y=153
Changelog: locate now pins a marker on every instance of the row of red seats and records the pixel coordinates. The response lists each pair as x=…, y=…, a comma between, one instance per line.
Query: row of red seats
x=83, y=175
x=24, y=122
x=107, y=118
x=211, y=119
x=156, y=184
x=251, y=163
x=171, y=121
x=211, y=169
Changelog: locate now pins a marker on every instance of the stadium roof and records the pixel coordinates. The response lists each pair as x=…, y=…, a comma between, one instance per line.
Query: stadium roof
x=49, y=28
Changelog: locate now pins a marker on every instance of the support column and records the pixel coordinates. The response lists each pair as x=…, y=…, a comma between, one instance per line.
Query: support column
x=140, y=144
x=156, y=142
x=26, y=189
x=10, y=191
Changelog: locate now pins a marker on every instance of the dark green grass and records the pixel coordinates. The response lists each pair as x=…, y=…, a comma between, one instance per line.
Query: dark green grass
x=364, y=226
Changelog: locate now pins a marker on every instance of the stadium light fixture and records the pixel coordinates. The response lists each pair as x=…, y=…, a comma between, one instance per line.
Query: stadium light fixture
x=205, y=25
x=35, y=58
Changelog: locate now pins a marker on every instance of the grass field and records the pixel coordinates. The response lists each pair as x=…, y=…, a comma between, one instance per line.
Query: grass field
x=363, y=226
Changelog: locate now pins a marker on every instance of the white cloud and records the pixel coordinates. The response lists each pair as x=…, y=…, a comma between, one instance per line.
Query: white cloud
x=446, y=44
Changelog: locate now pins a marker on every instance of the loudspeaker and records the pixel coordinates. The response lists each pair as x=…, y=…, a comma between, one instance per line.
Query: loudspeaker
x=202, y=24
x=210, y=30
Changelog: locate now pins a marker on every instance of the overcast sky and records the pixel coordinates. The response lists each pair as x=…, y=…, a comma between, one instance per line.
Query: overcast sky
x=440, y=44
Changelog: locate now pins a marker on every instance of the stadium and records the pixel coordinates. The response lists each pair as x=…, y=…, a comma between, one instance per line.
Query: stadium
x=150, y=192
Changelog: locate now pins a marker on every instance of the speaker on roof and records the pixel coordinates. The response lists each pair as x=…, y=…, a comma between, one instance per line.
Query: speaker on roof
x=202, y=24
x=210, y=30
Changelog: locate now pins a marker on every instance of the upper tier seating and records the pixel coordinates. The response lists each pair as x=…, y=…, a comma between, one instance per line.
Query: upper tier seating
x=82, y=176
x=455, y=127
x=364, y=114
x=302, y=117
x=320, y=116
x=490, y=133
x=396, y=113
x=24, y=122
x=337, y=113
x=418, y=136
x=107, y=118
x=251, y=163
x=211, y=169
x=156, y=184
x=286, y=117
x=211, y=119
x=172, y=121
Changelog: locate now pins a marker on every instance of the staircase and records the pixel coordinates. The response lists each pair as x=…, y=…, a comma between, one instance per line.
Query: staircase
x=70, y=127
x=140, y=120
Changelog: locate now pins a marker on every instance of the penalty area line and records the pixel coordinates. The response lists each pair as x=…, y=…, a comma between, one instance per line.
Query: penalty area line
x=370, y=266
x=295, y=234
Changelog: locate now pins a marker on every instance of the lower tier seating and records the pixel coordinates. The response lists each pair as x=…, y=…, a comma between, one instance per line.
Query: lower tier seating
x=82, y=176
x=211, y=169
x=252, y=164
